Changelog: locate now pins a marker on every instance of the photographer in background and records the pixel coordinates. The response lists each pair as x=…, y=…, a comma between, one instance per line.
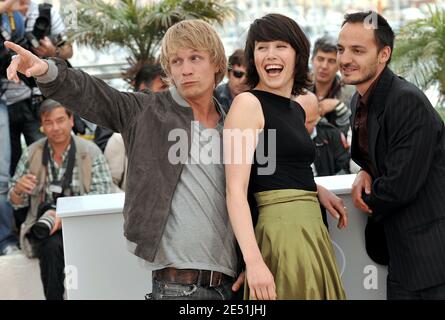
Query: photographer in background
x=44, y=34
x=57, y=166
x=236, y=84
x=333, y=95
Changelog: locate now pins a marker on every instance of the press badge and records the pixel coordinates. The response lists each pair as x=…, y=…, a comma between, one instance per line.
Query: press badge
x=55, y=188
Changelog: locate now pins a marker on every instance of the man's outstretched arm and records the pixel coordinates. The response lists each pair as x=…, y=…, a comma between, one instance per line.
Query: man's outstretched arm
x=89, y=97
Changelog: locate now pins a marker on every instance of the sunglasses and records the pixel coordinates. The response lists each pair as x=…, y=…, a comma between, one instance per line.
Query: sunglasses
x=238, y=74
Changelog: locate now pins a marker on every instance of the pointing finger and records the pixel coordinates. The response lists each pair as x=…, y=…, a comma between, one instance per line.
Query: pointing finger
x=15, y=47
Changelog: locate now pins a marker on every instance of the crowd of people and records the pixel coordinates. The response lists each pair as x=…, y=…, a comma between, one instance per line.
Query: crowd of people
x=19, y=102
x=230, y=228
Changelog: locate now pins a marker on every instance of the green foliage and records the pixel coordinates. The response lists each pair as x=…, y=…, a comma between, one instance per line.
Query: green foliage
x=140, y=28
x=419, y=53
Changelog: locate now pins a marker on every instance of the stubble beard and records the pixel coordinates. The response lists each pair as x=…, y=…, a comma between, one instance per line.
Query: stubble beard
x=372, y=71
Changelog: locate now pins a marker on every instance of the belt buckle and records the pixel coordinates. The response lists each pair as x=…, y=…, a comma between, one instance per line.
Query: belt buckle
x=211, y=280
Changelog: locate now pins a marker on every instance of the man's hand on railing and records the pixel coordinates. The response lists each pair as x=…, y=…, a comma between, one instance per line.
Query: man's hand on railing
x=24, y=62
x=362, y=183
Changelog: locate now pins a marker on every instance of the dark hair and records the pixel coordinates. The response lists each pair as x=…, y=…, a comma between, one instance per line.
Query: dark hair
x=325, y=44
x=147, y=74
x=237, y=58
x=383, y=34
x=49, y=105
x=273, y=27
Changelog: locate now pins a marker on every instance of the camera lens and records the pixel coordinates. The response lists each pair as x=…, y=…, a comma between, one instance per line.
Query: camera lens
x=43, y=226
x=41, y=27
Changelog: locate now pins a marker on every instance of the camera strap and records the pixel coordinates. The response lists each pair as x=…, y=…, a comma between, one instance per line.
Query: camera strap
x=6, y=27
x=13, y=25
x=11, y=21
x=56, y=186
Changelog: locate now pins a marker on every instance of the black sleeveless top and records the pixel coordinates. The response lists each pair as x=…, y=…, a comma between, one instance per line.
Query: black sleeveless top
x=295, y=150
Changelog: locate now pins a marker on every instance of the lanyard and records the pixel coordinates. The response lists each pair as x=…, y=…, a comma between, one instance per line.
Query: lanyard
x=8, y=23
x=11, y=21
x=64, y=184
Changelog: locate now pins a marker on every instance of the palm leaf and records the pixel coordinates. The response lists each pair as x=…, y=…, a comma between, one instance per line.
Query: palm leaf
x=140, y=28
x=419, y=53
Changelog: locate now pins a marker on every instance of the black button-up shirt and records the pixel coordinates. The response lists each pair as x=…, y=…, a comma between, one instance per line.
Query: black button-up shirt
x=361, y=124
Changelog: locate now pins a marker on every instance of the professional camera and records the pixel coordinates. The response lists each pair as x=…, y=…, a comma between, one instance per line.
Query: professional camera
x=32, y=39
x=45, y=222
x=28, y=41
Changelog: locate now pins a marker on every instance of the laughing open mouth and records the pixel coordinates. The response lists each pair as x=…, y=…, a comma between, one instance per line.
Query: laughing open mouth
x=274, y=69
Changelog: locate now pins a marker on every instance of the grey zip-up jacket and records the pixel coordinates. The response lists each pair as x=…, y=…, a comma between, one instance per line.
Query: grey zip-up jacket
x=144, y=120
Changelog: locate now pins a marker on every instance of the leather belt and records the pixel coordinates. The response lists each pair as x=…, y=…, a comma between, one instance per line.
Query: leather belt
x=204, y=278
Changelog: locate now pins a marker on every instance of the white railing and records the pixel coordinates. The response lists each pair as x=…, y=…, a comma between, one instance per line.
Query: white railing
x=100, y=267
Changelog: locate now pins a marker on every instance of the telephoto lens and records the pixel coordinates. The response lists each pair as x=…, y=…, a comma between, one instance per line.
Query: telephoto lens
x=41, y=27
x=43, y=226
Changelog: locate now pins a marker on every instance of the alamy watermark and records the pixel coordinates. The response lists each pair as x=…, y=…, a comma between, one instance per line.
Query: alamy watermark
x=71, y=278
x=371, y=21
x=371, y=280
x=234, y=146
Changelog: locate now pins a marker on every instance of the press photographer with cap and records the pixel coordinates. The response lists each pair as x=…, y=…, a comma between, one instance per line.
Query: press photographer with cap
x=56, y=166
x=236, y=75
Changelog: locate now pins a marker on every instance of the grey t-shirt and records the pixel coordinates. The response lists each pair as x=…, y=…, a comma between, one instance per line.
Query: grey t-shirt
x=198, y=234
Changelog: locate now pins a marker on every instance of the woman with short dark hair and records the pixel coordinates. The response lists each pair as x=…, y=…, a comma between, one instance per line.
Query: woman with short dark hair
x=289, y=254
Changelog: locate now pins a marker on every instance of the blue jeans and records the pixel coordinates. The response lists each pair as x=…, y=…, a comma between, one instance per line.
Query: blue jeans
x=163, y=290
x=7, y=237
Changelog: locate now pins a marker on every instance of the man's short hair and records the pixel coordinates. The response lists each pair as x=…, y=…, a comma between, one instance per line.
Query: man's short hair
x=383, y=33
x=147, y=74
x=196, y=35
x=49, y=105
x=237, y=58
x=325, y=44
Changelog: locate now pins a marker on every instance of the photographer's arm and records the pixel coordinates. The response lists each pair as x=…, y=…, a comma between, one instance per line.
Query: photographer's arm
x=15, y=199
x=48, y=49
x=66, y=52
x=89, y=97
x=101, y=181
x=22, y=184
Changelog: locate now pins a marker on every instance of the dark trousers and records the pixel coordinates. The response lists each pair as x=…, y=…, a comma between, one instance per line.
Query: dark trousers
x=52, y=265
x=23, y=118
x=395, y=291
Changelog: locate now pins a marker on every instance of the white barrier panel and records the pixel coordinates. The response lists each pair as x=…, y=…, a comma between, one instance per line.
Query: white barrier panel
x=98, y=265
x=362, y=278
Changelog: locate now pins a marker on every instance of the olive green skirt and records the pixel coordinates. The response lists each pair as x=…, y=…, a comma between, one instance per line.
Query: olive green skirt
x=296, y=246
